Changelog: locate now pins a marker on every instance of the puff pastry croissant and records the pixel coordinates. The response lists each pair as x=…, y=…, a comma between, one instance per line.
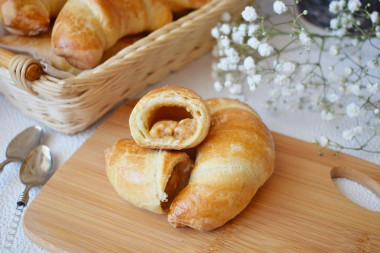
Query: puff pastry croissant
x=84, y=29
x=235, y=159
x=170, y=118
x=28, y=17
x=147, y=178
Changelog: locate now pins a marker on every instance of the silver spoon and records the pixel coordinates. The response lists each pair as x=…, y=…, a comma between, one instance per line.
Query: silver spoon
x=22, y=144
x=36, y=169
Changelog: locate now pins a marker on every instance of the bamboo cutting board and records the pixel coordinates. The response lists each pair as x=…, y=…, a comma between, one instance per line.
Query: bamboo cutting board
x=298, y=210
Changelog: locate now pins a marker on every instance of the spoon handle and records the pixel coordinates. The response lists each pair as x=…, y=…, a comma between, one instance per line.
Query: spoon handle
x=12, y=230
x=4, y=163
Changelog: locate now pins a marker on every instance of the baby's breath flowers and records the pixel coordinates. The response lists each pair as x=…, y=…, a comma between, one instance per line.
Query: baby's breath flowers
x=341, y=79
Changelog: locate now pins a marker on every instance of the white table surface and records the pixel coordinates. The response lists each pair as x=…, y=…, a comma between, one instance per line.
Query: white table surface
x=196, y=76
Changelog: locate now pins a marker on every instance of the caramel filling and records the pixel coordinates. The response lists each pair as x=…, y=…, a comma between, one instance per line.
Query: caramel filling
x=177, y=181
x=179, y=130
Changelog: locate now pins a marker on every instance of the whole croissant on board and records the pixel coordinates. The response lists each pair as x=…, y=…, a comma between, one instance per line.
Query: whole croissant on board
x=234, y=160
x=84, y=29
x=179, y=5
x=28, y=17
x=147, y=178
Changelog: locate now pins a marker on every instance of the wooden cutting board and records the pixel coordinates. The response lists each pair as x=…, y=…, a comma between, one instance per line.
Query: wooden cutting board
x=298, y=210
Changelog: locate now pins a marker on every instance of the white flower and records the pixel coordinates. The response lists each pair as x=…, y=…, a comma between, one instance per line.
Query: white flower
x=351, y=133
x=218, y=86
x=228, y=83
x=332, y=97
x=279, y=7
x=249, y=64
x=215, y=32
x=223, y=64
x=376, y=111
x=347, y=20
x=225, y=42
x=265, y=49
x=334, y=50
x=253, y=43
x=254, y=80
x=225, y=28
x=334, y=23
x=238, y=36
x=335, y=7
x=372, y=88
x=323, y=141
x=348, y=70
x=354, y=5
x=226, y=17
x=354, y=89
x=286, y=68
x=243, y=28
x=352, y=110
x=235, y=89
x=252, y=28
x=249, y=14
x=304, y=38
x=375, y=17
x=340, y=32
x=355, y=42
x=281, y=80
x=327, y=115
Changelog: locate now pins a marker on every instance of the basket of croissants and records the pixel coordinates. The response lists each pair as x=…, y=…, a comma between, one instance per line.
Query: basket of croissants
x=66, y=63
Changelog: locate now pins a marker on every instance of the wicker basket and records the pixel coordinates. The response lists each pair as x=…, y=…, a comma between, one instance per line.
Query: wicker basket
x=72, y=104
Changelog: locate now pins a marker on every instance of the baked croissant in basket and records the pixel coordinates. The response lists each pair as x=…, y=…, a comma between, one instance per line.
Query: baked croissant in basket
x=170, y=118
x=235, y=159
x=179, y=5
x=147, y=178
x=84, y=29
x=39, y=47
x=28, y=17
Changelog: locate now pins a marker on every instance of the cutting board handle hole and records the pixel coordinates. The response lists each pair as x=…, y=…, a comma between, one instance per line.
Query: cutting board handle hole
x=359, y=188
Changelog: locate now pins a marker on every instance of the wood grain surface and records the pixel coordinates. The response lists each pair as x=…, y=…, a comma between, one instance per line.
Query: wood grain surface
x=299, y=209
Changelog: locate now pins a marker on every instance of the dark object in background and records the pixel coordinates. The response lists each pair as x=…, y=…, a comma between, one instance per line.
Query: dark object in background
x=318, y=11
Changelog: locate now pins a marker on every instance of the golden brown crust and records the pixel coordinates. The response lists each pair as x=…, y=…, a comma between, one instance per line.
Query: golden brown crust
x=84, y=29
x=140, y=175
x=235, y=159
x=28, y=17
x=164, y=106
x=179, y=5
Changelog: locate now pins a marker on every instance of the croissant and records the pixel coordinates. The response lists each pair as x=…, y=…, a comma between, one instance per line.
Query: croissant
x=40, y=47
x=28, y=17
x=170, y=118
x=84, y=29
x=179, y=5
x=235, y=159
x=146, y=178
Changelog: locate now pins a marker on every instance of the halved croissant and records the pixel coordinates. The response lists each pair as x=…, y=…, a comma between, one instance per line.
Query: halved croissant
x=84, y=29
x=29, y=17
x=147, y=178
x=235, y=159
x=170, y=118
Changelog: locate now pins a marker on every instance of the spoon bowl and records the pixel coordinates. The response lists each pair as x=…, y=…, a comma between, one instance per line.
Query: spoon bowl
x=36, y=169
x=22, y=144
